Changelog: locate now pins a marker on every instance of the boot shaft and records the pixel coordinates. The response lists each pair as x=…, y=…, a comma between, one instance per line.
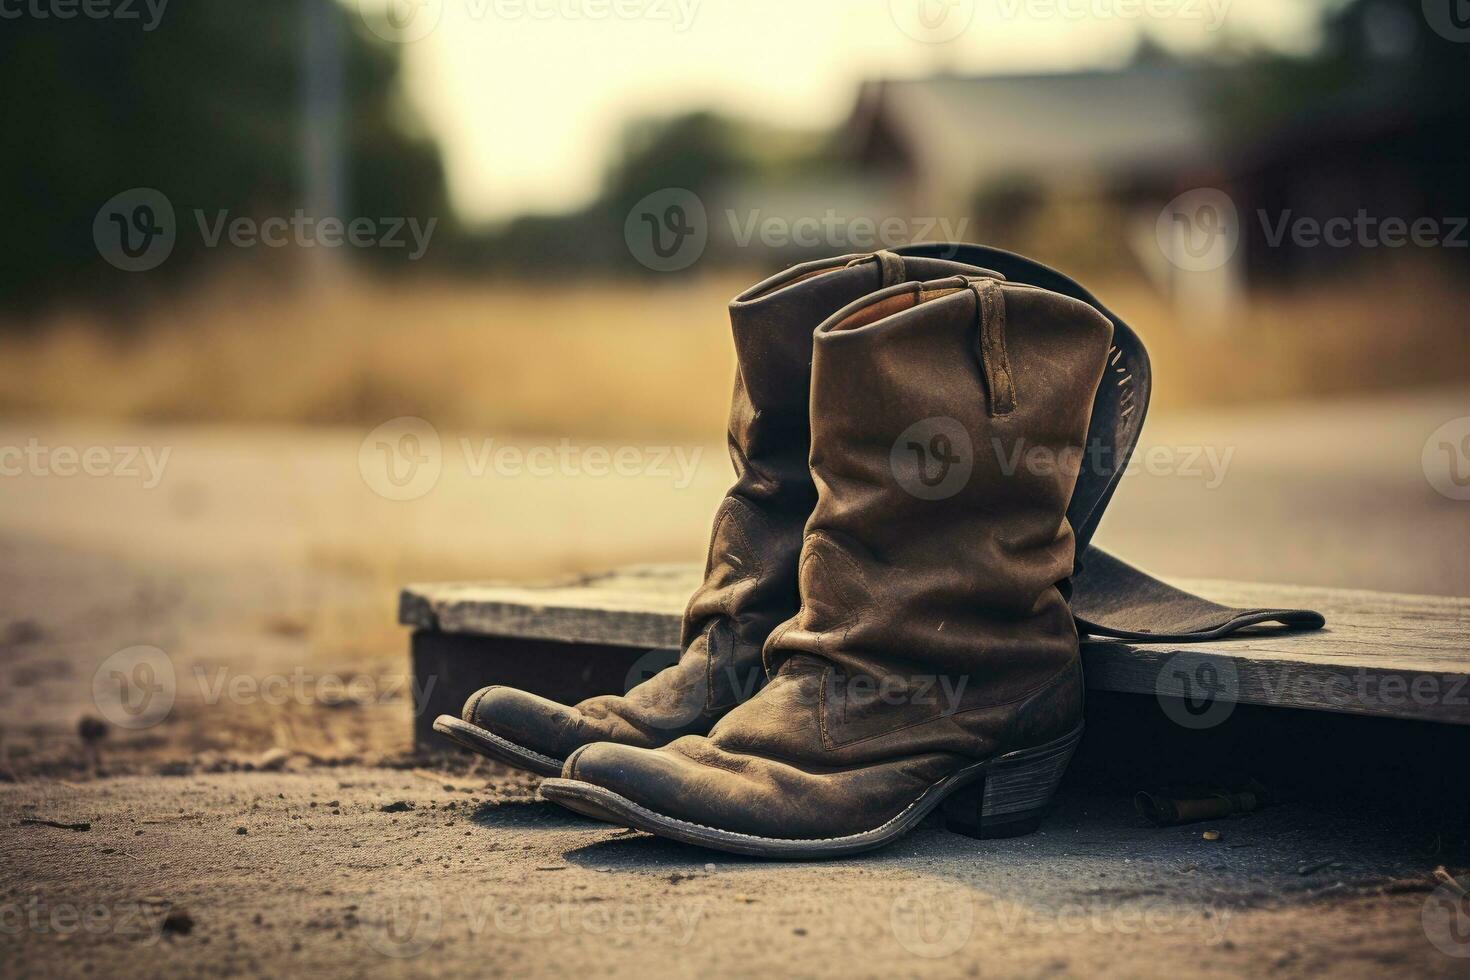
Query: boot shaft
x=948, y=421
x=750, y=574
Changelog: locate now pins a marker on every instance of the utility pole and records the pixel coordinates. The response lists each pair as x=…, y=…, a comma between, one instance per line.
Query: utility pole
x=323, y=165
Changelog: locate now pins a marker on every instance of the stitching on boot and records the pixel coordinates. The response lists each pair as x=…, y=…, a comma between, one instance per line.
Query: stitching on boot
x=751, y=565
x=959, y=774
x=752, y=569
x=807, y=556
x=714, y=534
x=539, y=756
x=892, y=266
x=990, y=307
x=794, y=840
x=474, y=708
x=709, y=665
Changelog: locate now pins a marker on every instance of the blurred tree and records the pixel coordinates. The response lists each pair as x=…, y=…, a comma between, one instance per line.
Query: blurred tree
x=1375, y=119
x=694, y=151
x=1371, y=52
x=697, y=151
x=206, y=108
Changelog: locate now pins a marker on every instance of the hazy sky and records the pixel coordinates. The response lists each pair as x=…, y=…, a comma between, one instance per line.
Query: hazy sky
x=527, y=96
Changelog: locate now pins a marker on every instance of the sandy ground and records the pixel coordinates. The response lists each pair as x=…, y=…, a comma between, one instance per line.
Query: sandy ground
x=373, y=872
x=272, y=554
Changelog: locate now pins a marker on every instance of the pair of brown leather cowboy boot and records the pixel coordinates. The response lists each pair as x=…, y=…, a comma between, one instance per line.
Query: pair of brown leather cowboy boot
x=884, y=627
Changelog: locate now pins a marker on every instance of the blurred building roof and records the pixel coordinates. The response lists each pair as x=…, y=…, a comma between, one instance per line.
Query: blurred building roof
x=954, y=135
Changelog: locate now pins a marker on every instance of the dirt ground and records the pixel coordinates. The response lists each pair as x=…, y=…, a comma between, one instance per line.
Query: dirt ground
x=246, y=833
x=408, y=873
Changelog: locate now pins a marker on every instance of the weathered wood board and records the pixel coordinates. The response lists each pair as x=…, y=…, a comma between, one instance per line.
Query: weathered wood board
x=1382, y=654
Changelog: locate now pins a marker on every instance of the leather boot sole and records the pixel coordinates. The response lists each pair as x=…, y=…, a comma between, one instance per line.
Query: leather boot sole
x=1001, y=797
x=492, y=746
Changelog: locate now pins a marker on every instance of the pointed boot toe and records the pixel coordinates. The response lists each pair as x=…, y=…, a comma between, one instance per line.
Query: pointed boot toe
x=517, y=728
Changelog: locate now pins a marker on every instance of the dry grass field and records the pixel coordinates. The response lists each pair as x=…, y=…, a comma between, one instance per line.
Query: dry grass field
x=644, y=358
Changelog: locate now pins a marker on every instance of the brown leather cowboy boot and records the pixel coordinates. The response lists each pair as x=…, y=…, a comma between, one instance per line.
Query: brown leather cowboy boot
x=750, y=575
x=934, y=660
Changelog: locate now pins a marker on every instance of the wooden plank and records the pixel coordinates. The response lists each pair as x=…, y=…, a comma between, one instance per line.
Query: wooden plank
x=1382, y=654
x=636, y=606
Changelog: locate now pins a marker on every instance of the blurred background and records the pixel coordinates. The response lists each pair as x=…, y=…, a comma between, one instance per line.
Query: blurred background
x=304, y=299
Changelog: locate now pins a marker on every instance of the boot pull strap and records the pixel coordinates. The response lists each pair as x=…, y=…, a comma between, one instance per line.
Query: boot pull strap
x=890, y=266
x=990, y=307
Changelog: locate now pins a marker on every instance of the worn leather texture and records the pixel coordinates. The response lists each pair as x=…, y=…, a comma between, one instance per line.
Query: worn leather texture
x=1111, y=598
x=1114, y=599
x=932, y=632
x=750, y=582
